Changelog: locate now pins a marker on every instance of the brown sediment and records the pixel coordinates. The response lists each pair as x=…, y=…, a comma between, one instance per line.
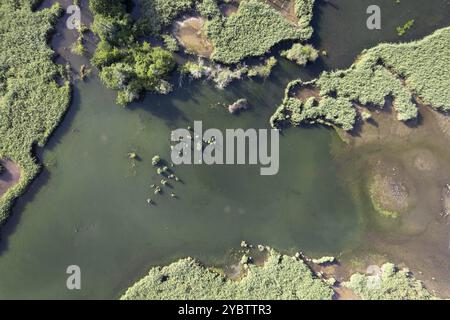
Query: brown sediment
x=9, y=176
x=189, y=33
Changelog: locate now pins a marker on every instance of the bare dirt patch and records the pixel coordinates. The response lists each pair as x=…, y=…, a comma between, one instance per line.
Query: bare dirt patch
x=9, y=176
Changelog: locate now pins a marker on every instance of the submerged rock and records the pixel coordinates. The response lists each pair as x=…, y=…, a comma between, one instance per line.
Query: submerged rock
x=238, y=106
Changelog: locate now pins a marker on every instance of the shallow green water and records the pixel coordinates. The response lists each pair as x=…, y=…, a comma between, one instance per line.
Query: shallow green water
x=89, y=208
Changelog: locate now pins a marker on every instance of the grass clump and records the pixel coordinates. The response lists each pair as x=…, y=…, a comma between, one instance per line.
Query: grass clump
x=390, y=284
x=281, y=277
x=126, y=65
x=159, y=14
x=402, y=72
x=252, y=31
x=32, y=102
x=403, y=29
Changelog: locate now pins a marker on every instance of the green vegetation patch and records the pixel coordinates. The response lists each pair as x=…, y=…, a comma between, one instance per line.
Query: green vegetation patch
x=390, y=284
x=252, y=31
x=32, y=102
x=402, y=72
x=281, y=277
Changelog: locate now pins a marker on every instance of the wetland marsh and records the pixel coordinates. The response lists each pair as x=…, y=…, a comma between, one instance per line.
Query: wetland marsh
x=88, y=206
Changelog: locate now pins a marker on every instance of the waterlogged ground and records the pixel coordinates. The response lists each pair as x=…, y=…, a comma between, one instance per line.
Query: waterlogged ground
x=89, y=207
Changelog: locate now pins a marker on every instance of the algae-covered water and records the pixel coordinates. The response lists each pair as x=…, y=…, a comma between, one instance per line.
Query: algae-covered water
x=88, y=207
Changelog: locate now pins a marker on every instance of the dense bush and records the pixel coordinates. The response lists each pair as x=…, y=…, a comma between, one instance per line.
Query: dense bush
x=159, y=14
x=32, y=103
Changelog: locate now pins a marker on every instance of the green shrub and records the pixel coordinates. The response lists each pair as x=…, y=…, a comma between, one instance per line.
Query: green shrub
x=390, y=284
x=170, y=43
x=281, y=277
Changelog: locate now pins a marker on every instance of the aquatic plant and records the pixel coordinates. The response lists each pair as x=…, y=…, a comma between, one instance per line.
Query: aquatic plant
x=390, y=284
x=32, y=102
x=404, y=72
x=158, y=190
x=156, y=160
x=281, y=277
x=252, y=31
x=223, y=76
